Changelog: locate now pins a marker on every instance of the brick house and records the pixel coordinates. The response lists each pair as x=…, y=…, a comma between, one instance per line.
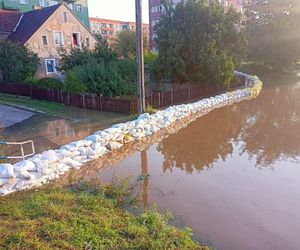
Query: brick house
x=44, y=31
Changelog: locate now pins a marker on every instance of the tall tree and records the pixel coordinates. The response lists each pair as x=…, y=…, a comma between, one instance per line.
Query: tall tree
x=273, y=32
x=126, y=44
x=17, y=62
x=199, y=42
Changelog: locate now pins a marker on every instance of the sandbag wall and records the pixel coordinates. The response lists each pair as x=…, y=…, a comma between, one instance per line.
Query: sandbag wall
x=51, y=164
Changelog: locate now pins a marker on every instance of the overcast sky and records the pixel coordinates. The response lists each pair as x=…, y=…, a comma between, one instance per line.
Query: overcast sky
x=123, y=10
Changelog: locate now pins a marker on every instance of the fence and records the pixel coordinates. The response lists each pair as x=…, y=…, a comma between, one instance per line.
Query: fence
x=113, y=104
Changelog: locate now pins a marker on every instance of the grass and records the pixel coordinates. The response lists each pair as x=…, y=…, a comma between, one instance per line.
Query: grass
x=50, y=108
x=84, y=216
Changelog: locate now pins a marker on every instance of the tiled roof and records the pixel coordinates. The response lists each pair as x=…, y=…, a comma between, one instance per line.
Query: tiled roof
x=8, y=20
x=31, y=21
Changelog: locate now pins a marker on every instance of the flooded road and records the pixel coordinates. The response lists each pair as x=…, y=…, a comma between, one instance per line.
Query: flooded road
x=50, y=132
x=232, y=175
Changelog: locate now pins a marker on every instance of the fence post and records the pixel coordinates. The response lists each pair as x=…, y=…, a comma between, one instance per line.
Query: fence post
x=158, y=99
x=83, y=101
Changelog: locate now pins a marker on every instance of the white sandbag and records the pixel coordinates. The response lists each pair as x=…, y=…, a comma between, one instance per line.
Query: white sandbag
x=25, y=165
x=43, y=167
x=7, y=171
x=72, y=163
x=113, y=145
x=50, y=156
x=3, y=181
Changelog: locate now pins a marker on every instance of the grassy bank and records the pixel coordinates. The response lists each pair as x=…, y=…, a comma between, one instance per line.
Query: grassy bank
x=84, y=216
x=50, y=108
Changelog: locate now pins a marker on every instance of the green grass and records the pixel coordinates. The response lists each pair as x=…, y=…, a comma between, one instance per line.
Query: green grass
x=84, y=216
x=50, y=108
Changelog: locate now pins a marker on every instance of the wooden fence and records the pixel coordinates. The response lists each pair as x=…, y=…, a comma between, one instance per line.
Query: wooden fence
x=122, y=105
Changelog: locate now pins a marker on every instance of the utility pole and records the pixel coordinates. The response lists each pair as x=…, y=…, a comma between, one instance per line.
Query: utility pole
x=140, y=58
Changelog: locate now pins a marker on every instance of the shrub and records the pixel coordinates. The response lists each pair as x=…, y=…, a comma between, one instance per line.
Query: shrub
x=73, y=84
x=31, y=81
x=17, y=62
x=50, y=83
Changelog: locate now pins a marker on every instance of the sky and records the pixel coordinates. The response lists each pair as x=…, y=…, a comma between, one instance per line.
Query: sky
x=123, y=10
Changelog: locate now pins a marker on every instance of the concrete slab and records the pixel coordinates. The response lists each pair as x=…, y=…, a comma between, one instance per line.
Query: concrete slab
x=10, y=116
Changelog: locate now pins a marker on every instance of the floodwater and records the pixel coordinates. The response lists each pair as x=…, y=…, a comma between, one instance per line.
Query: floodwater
x=232, y=175
x=50, y=132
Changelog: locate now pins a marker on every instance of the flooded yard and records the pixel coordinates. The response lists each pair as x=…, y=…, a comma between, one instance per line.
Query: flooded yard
x=232, y=175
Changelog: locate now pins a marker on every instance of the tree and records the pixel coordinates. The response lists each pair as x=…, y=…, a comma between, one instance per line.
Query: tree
x=273, y=33
x=125, y=45
x=198, y=42
x=17, y=62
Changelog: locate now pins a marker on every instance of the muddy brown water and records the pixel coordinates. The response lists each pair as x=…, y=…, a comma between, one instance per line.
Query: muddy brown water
x=231, y=175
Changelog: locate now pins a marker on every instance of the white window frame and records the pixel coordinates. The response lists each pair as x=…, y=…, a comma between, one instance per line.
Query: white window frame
x=62, y=37
x=46, y=40
x=54, y=66
x=24, y=2
x=78, y=37
x=43, y=3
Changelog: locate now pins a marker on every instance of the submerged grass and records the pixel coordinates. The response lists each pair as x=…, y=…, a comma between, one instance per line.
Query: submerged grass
x=84, y=216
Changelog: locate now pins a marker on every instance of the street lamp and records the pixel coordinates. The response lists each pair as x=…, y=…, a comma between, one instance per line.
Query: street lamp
x=140, y=58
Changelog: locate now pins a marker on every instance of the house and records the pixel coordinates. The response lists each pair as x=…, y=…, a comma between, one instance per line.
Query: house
x=110, y=28
x=78, y=7
x=44, y=31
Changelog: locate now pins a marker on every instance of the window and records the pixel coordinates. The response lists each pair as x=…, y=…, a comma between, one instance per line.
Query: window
x=43, y=3
x=87, y=41
x=71, y=6
x=58, y=38
x=23, y=1
x=79, y=7
x=65, y=16
x=75, y=39
x=44, y=40
x=52, y=2
x=50, y=66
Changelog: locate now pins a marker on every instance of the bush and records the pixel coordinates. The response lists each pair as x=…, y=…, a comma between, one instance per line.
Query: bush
x=100, y=71
x=50, y=83
x=73, y=84
x=31, y=81
x=17, y=62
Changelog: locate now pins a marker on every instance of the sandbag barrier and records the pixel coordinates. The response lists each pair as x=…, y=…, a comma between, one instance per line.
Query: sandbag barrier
x=49, y=165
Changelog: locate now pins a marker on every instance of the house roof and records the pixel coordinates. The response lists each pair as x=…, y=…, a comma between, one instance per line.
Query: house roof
x=30, y=22
x=9, y=20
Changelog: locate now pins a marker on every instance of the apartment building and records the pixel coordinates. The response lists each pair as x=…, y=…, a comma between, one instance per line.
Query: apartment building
x=156, y=10
x=78, y=7
x=110, y=28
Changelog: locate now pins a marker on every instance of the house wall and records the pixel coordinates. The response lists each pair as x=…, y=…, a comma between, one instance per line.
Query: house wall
x=56, y=23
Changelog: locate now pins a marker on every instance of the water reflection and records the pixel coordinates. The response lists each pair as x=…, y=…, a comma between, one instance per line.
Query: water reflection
x=52, y=132
x=267, y=130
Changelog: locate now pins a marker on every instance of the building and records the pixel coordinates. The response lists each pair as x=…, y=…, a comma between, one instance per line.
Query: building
x=156, y=10
x=110, y=28
x=79, y=7
x=44, y=31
